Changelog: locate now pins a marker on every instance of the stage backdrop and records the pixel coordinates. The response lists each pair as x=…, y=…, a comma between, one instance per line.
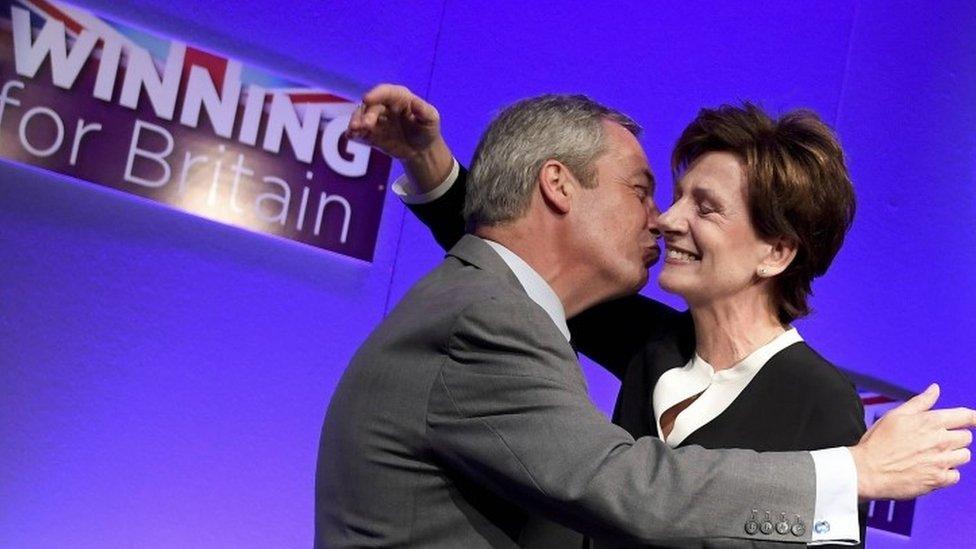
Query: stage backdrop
x=163, y=377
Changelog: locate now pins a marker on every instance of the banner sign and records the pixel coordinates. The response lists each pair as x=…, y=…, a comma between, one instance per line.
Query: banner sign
x=116, y=106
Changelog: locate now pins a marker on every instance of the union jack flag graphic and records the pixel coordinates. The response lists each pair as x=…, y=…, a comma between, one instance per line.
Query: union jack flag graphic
x=77, y=20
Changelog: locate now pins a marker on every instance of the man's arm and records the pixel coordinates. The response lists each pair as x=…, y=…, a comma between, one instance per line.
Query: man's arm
x=509, y=410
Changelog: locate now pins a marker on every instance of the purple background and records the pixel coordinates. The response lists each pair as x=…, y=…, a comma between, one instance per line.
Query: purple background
x=163, y=377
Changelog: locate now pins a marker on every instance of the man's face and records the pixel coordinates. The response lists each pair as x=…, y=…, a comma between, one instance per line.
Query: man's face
x=617, y=216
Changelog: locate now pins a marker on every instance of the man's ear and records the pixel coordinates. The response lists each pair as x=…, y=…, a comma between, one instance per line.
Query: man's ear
x=781, y=253
x=557, y=185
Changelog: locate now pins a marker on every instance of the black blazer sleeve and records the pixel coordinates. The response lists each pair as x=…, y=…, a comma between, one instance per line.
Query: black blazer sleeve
x=610, y=333
x=444, y=216
x=613, y=333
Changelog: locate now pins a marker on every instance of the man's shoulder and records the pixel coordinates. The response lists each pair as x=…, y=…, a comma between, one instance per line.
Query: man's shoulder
x=456, y=291
x=456, y=285
x=481, y=320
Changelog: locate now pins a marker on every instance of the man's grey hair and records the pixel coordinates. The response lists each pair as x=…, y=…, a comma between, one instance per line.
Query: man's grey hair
x=506, y=164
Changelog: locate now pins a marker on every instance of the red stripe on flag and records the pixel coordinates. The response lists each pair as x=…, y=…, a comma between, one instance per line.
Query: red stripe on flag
x=316, y=98
x=55, y=13
x=215, y=65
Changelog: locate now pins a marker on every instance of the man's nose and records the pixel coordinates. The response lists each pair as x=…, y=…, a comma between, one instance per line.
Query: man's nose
x=653, y=225
x=652, y=220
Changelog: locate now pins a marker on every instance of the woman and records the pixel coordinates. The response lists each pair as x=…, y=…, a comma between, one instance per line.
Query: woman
x=761, y=207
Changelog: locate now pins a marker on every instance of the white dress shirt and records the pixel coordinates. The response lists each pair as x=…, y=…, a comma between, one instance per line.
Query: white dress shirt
x=835, y=509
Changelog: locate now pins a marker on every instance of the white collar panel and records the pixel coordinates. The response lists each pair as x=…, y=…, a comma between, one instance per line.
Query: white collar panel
x=717, y=390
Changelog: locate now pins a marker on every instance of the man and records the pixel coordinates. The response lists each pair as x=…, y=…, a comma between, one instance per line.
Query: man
x=465, y=412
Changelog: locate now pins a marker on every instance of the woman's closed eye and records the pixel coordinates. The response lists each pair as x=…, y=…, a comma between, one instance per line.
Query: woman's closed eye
x=705, y=208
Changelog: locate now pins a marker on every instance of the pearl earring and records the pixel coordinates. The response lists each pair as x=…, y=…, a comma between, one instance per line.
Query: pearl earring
x=762, y=271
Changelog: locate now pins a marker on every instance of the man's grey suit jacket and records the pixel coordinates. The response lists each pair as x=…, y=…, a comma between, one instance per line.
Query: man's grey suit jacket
x=465, y=412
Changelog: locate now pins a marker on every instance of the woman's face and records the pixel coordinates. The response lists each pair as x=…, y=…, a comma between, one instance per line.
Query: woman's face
x=713, y=251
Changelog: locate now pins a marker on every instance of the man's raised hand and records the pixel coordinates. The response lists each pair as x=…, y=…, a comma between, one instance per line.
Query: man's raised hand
x=400, y=123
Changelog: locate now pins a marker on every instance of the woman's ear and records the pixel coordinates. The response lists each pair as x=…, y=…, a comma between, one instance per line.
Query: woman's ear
x=781, y=253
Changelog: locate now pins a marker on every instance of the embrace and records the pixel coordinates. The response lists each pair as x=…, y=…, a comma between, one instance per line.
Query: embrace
x=464, y=419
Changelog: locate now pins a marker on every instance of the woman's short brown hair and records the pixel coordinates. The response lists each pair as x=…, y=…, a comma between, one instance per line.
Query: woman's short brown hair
x=797, y=186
